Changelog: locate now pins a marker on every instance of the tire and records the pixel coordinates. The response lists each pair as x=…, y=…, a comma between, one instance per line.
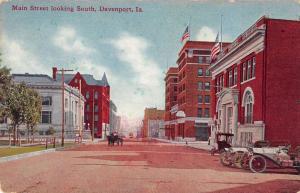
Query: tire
x=225, y=158
x=258, y=164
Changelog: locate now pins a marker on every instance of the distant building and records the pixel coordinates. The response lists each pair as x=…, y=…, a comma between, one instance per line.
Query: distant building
x=97, y=96
x=156, y=128
x=51, y=93
x=257, y=85
x=151, y=114
x=118, y=124
x=114, y=119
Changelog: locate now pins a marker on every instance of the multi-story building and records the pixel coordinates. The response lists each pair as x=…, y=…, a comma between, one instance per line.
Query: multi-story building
x=151, y=114
x=113, y=118
x=171, y=106
x=257, y=93
x=191, y=114
x=97, y=96
x=51, y=93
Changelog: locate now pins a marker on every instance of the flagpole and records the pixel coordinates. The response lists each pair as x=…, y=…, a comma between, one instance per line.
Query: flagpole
x=189, y=27
x=221, y=34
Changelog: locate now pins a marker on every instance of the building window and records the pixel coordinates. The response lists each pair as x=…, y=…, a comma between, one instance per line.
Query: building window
x=207, y=85
x=87, y=108
x=207, y=99
x=87, y=95
x=249, y=69
x=96, y=108
x=244, y=71
x=200, y=85
x=200, y=72
x=248, y=107
x=174, y=98
x=207, y=73
x=96, y=95
x=199, y=113
x=206, y=112
x=201, y=60
x=253, y=66
x=86, y=117
x=230, y=78
x=221, y=82
x=208, y=60
x=200, y=99
x=46, y=117
x=234, y=75
x=175, y=79
x=66, y=103
x=96, y=117
x=175, y=88
x=217, y=84
x=47, y=101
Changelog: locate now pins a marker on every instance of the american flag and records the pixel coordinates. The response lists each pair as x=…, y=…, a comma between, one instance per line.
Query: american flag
x=186, y=34
x=215, y=49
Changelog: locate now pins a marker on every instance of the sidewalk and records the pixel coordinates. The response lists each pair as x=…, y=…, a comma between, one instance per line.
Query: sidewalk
x=194, y=144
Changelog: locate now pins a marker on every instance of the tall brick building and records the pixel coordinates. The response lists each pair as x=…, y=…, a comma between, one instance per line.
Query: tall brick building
x=257, y=93
x=192, y=93
x=97, y=96
x=171, y=105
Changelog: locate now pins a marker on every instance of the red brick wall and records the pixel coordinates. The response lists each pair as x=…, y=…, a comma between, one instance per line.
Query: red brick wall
x=102, y=102
x=283, y=81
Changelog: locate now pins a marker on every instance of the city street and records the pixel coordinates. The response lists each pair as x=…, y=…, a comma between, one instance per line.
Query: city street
x=147, y=166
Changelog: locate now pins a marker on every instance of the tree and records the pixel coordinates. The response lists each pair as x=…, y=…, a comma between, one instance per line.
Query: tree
x=5, y=83
x=16, y=104
x=33, y=111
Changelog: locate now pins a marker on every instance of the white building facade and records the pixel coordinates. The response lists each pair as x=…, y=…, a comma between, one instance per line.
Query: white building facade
x=51, y=114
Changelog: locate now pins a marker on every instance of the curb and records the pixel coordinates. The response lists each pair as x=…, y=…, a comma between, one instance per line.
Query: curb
x=35, y=153
x=25, y=155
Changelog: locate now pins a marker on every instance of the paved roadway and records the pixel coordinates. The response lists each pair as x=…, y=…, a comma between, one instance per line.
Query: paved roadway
x=138, y=167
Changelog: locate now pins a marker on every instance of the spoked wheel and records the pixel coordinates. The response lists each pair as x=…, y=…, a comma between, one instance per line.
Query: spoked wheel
x=245, y=161
x=258, y=164
x=225, y=158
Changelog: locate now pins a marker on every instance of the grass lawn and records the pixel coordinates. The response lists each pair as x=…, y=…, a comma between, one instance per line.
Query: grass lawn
x=19, y=150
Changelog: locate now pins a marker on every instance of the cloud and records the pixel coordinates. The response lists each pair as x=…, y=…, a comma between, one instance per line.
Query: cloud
x=18, y=57
x=144, y=88
x=206, y=34
x=3, y=1
x=67, y=39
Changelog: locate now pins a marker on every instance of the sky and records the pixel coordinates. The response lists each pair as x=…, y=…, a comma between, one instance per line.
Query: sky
x=134, y=49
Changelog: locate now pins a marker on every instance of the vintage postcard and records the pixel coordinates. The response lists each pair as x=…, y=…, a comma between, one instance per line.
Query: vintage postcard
x=150, y=96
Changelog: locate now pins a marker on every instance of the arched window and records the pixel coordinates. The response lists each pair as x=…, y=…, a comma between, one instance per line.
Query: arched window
x=248, y=107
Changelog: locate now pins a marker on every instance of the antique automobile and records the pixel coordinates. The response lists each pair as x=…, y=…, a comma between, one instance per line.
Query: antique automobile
x=256, y=158
x=223, y=140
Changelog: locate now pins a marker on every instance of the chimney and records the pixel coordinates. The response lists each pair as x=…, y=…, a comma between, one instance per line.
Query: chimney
x=54, y=71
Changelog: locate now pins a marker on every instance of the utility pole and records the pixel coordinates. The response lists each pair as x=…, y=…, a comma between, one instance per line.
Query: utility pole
x=80, y=118
x=93, y=123
x=63, y=105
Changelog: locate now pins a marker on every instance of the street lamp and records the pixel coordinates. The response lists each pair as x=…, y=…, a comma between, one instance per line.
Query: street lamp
x=63, y=105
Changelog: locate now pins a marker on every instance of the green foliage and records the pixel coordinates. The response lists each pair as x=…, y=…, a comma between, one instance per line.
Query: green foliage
x=5, y=83
x=33, y=110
